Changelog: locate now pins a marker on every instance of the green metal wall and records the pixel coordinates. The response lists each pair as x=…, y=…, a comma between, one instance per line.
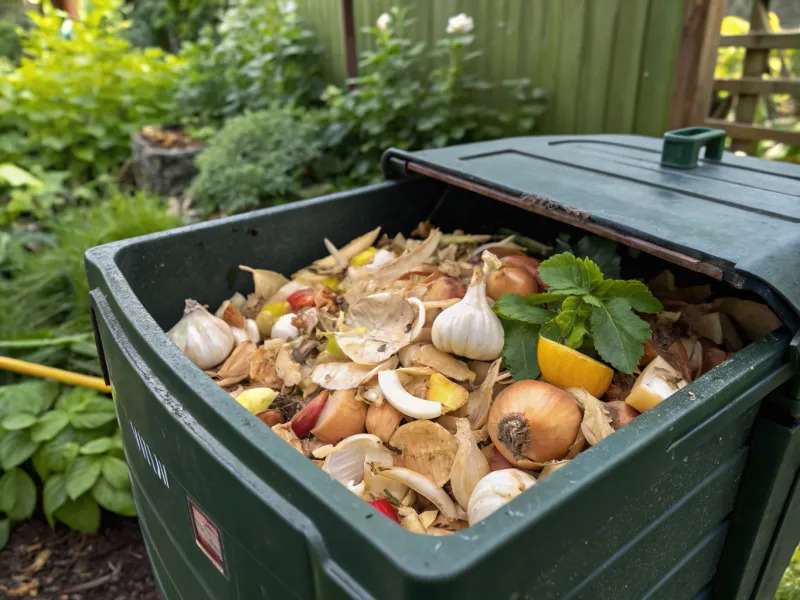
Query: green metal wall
x=607, y=64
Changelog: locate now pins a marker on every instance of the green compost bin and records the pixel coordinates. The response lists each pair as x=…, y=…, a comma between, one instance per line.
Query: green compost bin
x=230, y=511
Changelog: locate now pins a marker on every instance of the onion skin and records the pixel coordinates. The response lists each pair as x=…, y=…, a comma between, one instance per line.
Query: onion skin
x=620, y=413
x=498, y=462
x=270, y=417
x=511, y=280
x=341, y=417
x=533, y=422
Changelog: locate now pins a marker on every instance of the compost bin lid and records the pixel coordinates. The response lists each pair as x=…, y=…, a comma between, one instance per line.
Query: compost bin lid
x=736, y=218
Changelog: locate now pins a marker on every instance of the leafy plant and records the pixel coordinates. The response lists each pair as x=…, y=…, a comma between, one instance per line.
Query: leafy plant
x=262, y=53
x=579, y=309
x=258, y=159
x=23, y=193
x=72, y=443
x=10, y=48
x=44, y=294
x=398, y=100
x=73, y=103
x=169, y=23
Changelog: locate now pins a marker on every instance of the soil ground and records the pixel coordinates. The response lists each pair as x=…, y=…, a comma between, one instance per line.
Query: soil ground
x=62, y=565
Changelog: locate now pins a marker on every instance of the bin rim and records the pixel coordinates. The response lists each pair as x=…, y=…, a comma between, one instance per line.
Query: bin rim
x=425, y=558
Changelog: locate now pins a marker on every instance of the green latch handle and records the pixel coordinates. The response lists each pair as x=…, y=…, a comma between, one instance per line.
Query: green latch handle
x=682, y=146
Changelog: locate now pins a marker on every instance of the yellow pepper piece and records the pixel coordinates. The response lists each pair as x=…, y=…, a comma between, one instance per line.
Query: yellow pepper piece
x=257, y=400
x=450, y=394
x=565, y=367
x=276, y=309
x=364, y=257
x=330, y=282
x=333, y=347
x=266, y=318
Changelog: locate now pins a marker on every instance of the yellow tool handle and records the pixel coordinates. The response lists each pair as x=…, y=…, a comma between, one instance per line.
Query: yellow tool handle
x=68, y=377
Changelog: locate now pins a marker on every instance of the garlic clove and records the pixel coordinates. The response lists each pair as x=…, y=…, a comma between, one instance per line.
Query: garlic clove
x=470, y=328
x=424, y=487
x=409, y=405
x=284, y=329
x=426, y=448
x=469, y=466
x=494, y=491
x=205, y=339
x=345, y=463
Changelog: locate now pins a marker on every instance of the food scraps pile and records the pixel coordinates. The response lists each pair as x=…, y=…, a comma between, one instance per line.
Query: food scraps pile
x=438, y=376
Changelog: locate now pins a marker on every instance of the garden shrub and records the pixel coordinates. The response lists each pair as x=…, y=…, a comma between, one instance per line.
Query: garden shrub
x=43, y=287
x=71, y=441
x=262, y=53
x=35, y=194
x=10, y=48
x=399, y=101
x=258, y=159
x=74, y=100
x=169, y=23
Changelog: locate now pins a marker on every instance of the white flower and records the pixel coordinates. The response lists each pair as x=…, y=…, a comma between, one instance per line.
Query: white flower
x=460, y=24
x=383, y=22
x=288, y=7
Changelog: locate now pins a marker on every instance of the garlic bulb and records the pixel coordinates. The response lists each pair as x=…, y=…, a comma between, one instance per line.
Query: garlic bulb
x=284, y=328
x=248, y=333
x=470, y=328
x=495, y=490
x=204, y=338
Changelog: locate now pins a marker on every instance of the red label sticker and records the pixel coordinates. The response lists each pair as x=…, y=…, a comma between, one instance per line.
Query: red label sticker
x=206, y=534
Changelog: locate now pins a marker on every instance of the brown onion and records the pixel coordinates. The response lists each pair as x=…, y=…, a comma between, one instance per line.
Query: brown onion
x=620, y=413
x=528, y=263
x=511, y=280
x=533, y=422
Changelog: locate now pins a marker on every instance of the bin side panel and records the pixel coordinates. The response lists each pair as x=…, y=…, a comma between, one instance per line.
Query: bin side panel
x=170, y=464
x=771, y=472
x=606, y=544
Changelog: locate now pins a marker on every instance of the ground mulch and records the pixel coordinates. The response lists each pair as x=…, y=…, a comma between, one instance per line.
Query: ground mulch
x=63, y=565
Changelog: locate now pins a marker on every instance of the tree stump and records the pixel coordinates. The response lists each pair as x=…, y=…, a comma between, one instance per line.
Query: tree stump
x=166, y=171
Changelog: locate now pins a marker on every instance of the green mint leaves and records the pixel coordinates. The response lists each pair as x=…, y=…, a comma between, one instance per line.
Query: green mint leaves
x=580, y=306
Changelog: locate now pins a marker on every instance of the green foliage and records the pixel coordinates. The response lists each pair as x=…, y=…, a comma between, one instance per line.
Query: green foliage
x=35, y=194
x=256, y=160
x=44, y=293
x=168, y=23
x=789, y=588
x=584, y=309
x=10, y=48
x=398, y=100
x=262, y=53
x=72, y=104
x=73, y=447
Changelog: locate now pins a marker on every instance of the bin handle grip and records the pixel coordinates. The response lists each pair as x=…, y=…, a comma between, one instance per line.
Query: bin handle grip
x=682, y=146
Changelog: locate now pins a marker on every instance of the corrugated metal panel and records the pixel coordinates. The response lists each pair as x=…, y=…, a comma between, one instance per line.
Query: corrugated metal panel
x=607, y=64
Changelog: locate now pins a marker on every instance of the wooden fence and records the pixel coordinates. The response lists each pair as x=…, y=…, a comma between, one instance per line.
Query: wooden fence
x=695, y=74
x=608, y=65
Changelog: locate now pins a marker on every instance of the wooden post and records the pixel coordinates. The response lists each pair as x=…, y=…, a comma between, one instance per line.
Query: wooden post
x=349, y=32
x=756, y=62
x=697, y=59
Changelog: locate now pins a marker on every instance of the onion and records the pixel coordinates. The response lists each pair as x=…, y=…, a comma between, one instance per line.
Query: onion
x=341, y=417
x=511, y=280
x=620, y=413
x=532, y=422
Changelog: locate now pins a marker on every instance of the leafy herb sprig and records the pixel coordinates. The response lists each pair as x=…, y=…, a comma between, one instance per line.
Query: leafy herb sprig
x=580, y=309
